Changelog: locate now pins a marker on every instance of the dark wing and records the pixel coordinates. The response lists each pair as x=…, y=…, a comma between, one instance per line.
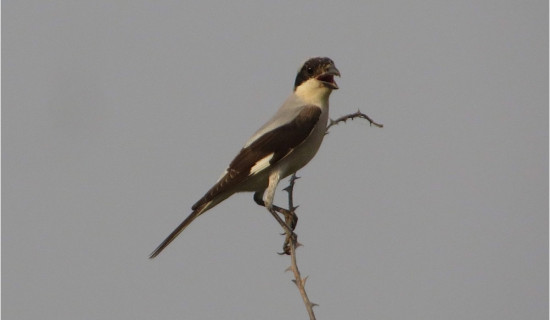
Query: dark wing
x=278, y=143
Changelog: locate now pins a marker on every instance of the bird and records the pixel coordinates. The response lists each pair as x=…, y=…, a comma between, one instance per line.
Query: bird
x=279, y=148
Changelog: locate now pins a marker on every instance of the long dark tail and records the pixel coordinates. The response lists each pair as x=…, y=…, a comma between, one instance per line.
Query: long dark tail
x=197, y=212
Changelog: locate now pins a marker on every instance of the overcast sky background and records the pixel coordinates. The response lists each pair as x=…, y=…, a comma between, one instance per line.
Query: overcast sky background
x=119, y=115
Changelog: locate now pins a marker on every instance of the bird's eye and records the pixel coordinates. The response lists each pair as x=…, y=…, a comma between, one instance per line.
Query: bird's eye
x=309, y=70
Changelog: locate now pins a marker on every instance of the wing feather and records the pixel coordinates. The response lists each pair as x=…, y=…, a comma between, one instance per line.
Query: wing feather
x=273, y=145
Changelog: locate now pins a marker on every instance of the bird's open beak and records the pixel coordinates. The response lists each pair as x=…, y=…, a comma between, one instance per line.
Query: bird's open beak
x=327, y=78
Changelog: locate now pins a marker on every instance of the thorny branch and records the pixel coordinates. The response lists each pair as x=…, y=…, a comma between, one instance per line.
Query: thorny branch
x=293, y=244
x=352, y=116
x=291, y=241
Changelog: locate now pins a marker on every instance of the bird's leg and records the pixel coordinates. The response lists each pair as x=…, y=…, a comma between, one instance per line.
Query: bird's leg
x=290, y=217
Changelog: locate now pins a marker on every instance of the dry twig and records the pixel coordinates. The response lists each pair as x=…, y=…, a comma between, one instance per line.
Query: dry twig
x=352, y=116
x=293, y=243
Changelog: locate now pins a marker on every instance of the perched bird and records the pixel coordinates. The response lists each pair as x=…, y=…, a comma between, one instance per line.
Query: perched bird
x=282, y=146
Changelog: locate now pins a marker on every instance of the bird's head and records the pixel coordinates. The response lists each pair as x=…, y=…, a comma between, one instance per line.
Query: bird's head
x=317, y=71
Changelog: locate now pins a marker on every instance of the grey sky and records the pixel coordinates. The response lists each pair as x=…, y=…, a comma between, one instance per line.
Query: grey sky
x=119, y=115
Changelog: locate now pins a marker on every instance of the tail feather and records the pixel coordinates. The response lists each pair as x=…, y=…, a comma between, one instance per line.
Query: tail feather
x=197, y=212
